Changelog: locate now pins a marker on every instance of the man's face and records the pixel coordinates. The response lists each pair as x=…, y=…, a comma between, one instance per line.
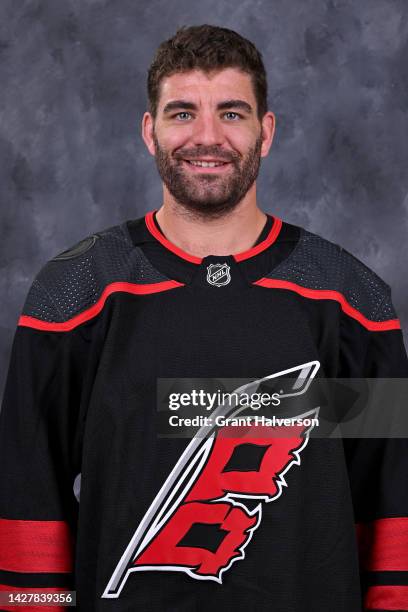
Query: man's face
x=207, y=139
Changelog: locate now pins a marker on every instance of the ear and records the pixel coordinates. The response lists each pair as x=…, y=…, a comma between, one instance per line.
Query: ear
x=147, y=132
x=268, y=130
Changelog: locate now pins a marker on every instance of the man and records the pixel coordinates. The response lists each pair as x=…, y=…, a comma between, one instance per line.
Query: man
x=206, y=288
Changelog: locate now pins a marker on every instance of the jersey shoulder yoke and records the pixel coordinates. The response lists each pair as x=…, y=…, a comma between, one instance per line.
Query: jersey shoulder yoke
x=321, y=266
x=75, y=280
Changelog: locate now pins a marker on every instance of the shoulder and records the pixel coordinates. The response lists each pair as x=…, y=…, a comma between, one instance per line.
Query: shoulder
x=322, y=266
x=75, y=279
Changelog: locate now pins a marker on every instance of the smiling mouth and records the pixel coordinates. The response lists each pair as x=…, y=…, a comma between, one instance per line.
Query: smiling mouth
x=207, y=165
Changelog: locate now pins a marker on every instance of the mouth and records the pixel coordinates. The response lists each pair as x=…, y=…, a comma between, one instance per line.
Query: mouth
x=209, y=166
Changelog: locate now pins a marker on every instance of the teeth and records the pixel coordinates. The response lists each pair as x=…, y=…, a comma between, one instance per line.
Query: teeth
x=205, y=164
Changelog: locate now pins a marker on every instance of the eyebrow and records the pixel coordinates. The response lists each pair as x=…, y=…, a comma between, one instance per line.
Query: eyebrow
x=227, y=104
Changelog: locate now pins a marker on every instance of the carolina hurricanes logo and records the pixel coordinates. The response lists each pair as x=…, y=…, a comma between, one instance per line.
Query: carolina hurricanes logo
x=199, y=523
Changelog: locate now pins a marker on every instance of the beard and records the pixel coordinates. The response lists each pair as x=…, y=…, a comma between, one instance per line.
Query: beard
x=208, y=195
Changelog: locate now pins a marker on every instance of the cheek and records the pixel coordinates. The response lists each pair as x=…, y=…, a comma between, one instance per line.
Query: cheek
x=241, y=142
x=174, y=139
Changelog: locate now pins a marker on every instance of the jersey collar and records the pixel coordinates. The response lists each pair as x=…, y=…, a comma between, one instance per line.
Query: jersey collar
x=275, y=228
x=274, y=244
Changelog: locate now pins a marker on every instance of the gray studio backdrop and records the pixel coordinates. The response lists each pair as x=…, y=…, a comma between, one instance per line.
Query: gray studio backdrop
x=72, y=93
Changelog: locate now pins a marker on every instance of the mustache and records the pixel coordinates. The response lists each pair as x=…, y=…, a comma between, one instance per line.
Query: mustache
x=195, y=154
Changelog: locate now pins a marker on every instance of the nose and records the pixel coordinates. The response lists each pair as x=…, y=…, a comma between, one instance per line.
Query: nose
x=208, y=131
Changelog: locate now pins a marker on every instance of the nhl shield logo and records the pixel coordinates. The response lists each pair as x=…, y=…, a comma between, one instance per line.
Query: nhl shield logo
x=218, y=274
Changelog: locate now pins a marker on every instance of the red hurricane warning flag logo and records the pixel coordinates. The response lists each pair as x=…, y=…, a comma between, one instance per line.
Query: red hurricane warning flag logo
x=200, y=521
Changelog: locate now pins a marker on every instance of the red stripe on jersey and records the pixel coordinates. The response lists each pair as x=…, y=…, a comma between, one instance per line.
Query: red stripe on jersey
x=35, y=546
x=328, y=294
x=35, y=607
x=94, y=310
x=270, y=239
x=386, y=598
x=383, y=545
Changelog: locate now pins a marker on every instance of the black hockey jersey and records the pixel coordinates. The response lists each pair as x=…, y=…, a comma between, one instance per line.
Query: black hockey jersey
x=180, y=525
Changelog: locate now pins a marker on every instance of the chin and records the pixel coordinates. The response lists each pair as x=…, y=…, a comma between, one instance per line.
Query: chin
x=207, y=208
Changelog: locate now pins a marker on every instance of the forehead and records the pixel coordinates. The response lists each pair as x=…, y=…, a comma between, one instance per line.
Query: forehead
x=199, y=86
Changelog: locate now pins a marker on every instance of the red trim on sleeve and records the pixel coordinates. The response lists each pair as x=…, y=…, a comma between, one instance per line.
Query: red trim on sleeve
x=386, y=598
x=156, y=233
x=35, y=546
x=383, y=545
x=32, y=608
x=94, y=310
x=328, y=294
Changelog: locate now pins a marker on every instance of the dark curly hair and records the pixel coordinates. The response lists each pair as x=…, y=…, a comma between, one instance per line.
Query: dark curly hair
x=208, y=48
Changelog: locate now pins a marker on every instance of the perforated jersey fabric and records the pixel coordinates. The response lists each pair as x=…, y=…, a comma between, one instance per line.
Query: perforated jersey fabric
x=317, y=263
x=71, y=282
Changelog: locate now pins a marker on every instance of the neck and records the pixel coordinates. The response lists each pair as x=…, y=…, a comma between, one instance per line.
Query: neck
x=232, y=233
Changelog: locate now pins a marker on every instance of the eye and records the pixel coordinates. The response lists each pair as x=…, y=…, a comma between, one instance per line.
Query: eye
x=182, y=115
x=232, y=115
